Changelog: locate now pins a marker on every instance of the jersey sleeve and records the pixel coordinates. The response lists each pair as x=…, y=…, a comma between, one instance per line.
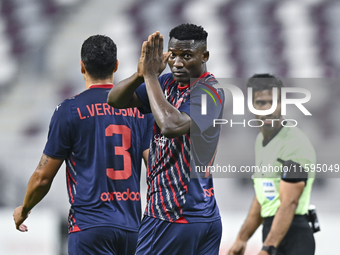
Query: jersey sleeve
x=214, y=99
x=149, y=131
x=143, y=99
x=293, y=176
x=297, y=153
x=143, y=95
x=59, y=142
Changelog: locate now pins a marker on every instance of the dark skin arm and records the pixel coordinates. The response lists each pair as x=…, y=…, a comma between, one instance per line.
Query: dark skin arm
x=289, y=197
x=252, y=222
x=146, y=156
x=123, y=95
x=38, y=186
x=171, y=121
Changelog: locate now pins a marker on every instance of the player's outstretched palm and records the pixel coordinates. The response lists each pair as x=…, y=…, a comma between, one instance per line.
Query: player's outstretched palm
x=140, y=67
x=154, y=59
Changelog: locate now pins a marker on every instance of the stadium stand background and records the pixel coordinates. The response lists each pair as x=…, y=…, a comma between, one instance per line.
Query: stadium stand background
x=39, y=67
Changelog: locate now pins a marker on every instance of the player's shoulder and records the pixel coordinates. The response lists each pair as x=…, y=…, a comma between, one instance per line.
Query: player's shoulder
x=293, y=134
x=65, y=105
x=207, y=82
x=84, y=96
x=295, y=139
x=207, y=79
x=62, y=112
x=166, y=79
x=259, y=138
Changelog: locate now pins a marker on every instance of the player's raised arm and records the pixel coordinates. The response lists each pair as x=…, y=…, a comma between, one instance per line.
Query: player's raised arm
x=38, y=186
x=170, y=120
x=123, y=95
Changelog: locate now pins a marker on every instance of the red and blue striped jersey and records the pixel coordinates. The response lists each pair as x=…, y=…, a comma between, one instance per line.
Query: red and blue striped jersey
x=175, y=193
x=102, y=148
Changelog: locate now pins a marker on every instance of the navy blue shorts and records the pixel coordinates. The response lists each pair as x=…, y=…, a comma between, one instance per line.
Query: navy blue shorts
x=158, y=237
x=103, y=241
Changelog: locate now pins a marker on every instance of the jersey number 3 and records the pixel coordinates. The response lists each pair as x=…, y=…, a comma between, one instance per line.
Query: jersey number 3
x=120, y=150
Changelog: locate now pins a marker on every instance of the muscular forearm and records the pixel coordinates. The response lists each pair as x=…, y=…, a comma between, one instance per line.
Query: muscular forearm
x=40, y=181
x=38, y=186
x=170, y=120
x=289, y=194
x=122, y=95
x=36, y=190
x=281, y=223
x=253, y=221
x=249, y=227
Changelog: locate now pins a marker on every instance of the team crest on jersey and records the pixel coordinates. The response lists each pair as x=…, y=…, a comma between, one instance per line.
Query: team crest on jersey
x=160, y=140
x=57, y=107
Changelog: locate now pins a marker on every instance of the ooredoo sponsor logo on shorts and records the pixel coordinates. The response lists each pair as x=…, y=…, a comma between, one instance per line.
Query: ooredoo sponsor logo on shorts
x=116, y=195
x=208, y=192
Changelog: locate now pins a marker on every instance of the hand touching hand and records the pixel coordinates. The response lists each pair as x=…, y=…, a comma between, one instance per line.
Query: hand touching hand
x=154, y=60
x=140, y=67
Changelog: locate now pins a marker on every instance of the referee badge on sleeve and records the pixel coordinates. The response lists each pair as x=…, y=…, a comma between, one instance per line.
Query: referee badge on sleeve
x=269, y=189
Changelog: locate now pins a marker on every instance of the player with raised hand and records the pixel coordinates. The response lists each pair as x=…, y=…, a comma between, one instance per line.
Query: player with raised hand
x=103, y=149
x=181, y=217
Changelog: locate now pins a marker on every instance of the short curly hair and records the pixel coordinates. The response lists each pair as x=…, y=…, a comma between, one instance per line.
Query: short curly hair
x=99, y=54
x=189, y=32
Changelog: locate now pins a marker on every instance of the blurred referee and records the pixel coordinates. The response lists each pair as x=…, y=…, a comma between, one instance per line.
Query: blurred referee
x=282, y=198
